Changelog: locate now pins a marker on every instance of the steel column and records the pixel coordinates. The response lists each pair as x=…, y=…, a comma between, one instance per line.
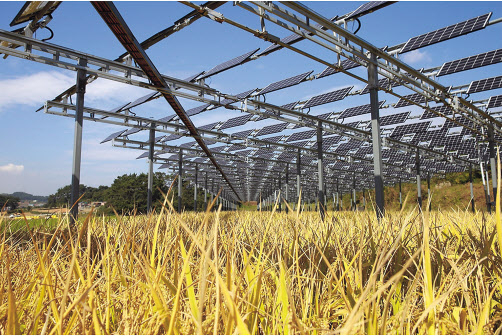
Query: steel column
x=400, y=196
x=354, y=204
x=180, y=175
x=151, y=142
x=320, y=170
x=493, y=165
x=298, y=173
x=195, y=188
x=77, y=142
x=287, y=187
x=205, y=191
x=279, y=193
x=472, y=190
x=375, y=135
x=419, y=186
x=429, y=190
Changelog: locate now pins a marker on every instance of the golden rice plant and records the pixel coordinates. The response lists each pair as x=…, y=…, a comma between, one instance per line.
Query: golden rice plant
x=255, y=273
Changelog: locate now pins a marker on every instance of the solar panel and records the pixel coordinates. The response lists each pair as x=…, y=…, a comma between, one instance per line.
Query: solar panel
x=301, y=135
x=193, y=77
x=485, y=84
x=290, y=39
x=324, y=116
x=241, y=96
x=141, y=100
x=218, y=149
x=172, y=137
x=495, y=101
x=346, y=64
x=410, y=128
x=352, y=124
x=131, y=131
x=288, y=106
x=383, y=84
x=446, y=33
x=237, y=121
x=208, y=127
x=358, y=110
x=31, y=8
x=300, y=143
x=328, y=97
x=229, y=64
x=235, y=147
x=348, y=146
x=113, y=136
x=242, y=134
x=244, y=153
x=415, y=97
x=188, y=144
x=393, y=119
x=471, y=62
x=367, y=8
x=168, y=118
x=285, y=83
x=197, y=110
x=272, y=129
x=446, y=110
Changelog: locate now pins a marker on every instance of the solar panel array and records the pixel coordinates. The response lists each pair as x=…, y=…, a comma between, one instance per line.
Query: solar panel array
x=131, y=131
x=495, y=101
x=367, y=8
x=358, y=110
x=410, y=128
x=197, y=110
x=471, y=62
x=346, y=64
x=328, y=97
x=485, y=84
x=446, y=33
x=113, y=136
x=285, y=83
x=394, y=119
x=415, y=97
x=237, y=121
x=229, y=64
x=383, y=84
x=272, y=129
x=301, y=135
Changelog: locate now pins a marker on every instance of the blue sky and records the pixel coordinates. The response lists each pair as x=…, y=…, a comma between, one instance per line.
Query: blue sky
x=37, y=148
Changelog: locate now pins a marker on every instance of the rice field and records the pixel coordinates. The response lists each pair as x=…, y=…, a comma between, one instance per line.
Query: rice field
x=251, y=272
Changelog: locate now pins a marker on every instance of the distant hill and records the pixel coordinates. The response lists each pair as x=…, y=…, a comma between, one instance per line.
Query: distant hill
x=29, y=197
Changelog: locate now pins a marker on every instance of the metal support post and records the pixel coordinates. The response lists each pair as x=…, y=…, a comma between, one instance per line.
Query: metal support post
x=298, y=173
x=419, y=185
x=77, y=142
x=354, y=204
x=195, y=188
x=180, y=175
x=320, y=170
x=429, y=191
x=279, y=193
x=400, y=196
x=375, y=135
x=287, y=187
x=205, y=191
x=493, y=165
x=471, y=187
x=151, y=142
x=337, y=196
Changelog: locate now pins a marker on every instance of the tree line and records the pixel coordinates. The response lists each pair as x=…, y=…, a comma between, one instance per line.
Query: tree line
x=129, y=193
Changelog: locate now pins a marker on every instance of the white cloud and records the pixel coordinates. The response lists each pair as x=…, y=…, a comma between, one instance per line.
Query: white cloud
x=416, y=56
x=12, y=168
x=34, y=89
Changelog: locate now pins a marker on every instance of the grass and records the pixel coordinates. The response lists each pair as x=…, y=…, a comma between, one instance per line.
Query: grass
x=254, y=272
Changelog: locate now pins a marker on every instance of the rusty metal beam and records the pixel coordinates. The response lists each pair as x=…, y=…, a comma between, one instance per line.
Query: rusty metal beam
x=118, y=26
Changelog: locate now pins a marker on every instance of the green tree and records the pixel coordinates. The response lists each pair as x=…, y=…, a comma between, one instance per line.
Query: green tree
x=8, y=202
